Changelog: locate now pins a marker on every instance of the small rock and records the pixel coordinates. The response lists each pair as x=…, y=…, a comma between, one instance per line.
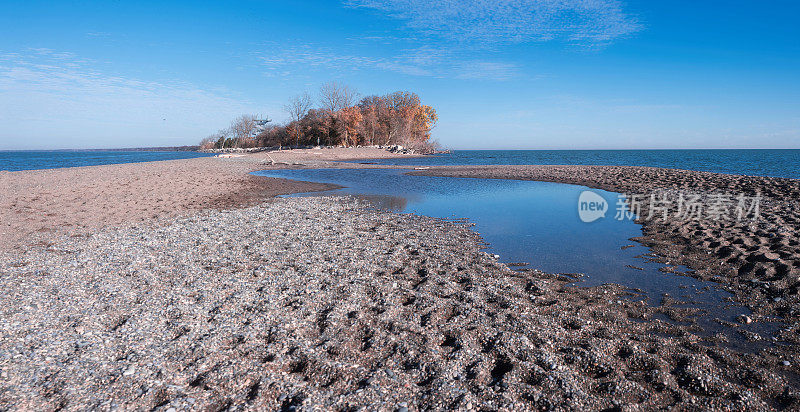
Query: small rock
x=745, y=319
x=786, y=363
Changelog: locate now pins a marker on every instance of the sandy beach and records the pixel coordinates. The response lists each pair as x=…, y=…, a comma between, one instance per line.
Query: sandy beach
x=74, y=201
x=185, y=284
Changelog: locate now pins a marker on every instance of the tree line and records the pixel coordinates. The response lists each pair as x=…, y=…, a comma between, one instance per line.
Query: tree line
x=341, y=118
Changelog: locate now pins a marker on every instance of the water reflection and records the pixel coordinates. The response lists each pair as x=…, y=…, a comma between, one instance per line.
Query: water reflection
x=533, y=222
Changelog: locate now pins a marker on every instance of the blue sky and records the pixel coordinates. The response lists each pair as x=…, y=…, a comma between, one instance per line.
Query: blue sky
x=552, y=74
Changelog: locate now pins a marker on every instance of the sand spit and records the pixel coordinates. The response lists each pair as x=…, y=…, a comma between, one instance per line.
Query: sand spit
x=323, y=303
x=37, y=204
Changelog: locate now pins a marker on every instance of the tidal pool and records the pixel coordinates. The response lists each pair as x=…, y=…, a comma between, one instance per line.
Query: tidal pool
x=537, y=223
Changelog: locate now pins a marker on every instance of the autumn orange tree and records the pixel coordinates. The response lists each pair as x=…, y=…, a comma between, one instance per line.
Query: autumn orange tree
x=397, y=118
x=371, y=108
x=349, y=119
x=424, y=121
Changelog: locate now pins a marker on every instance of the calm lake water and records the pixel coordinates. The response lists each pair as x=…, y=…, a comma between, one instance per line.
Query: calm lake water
x=14, y=160
x=535, y=223
x=776, y=163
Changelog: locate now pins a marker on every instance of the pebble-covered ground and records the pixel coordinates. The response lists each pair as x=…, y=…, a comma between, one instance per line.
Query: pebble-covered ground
x=323, y=303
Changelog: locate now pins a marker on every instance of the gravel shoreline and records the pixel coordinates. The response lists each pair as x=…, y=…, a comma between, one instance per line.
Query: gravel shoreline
x=326, y=303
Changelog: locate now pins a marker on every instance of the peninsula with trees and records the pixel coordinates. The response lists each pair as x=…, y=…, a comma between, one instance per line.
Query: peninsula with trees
x=340, y=118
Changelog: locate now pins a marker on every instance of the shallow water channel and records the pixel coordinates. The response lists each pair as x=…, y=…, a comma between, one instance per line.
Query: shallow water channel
x=538, y=223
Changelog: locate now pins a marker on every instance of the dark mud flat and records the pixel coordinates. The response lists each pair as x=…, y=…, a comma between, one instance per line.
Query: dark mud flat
x=323, y=303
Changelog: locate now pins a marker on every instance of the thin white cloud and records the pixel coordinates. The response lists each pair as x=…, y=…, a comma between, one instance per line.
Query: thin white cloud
x=55, y=99
x=315, y=57
x=483, y=70
x=489, y=22
x=424, y=61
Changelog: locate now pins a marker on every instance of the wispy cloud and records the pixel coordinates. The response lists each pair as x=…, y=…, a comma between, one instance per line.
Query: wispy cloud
x=454, y=39
x=55, y=95
x=584, y=22
x=482, y=70
x=424, y=61
x=308, y=56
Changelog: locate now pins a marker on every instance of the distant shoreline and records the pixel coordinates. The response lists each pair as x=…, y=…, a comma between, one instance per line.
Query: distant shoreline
x=153, y=149
x=124, y=149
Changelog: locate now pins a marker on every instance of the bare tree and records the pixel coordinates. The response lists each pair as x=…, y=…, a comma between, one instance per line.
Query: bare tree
x=209, y=142
x=297, y=108
x=243, y=128
x=334, y=97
